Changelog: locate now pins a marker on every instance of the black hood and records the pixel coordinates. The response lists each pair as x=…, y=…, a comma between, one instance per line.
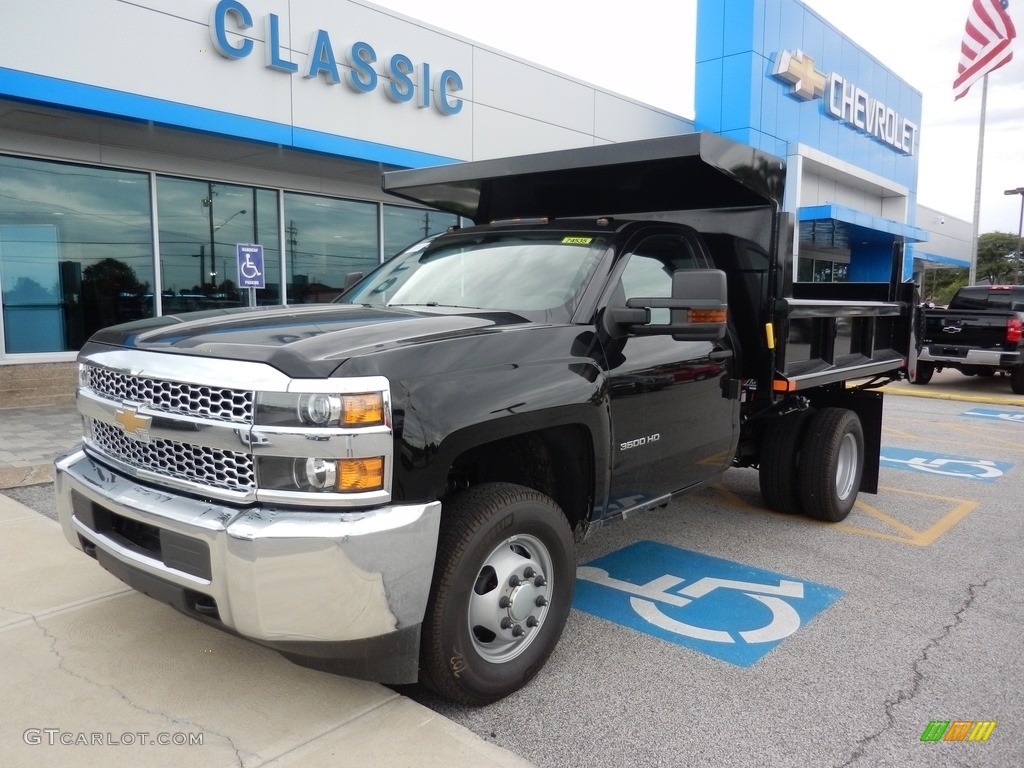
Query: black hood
x=302, y=340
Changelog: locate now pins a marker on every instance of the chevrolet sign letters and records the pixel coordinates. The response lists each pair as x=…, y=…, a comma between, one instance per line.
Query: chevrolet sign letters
x=846, y=102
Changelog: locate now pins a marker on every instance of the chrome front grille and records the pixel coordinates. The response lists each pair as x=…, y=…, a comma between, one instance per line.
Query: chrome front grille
x=213, y=467
x=222, y=404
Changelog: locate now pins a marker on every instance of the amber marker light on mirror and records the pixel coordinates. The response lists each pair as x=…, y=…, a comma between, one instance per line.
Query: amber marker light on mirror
x=707, y=316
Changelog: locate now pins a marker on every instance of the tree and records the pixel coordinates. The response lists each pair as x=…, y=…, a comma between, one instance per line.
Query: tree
x=996, y=265
x=997, y=257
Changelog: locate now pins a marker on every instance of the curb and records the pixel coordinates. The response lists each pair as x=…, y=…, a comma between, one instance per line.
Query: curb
x=16, y=477
x=1017, y=400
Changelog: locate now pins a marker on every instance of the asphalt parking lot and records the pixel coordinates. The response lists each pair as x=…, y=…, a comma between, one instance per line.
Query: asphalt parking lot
x=715, y=633
x=921, y=621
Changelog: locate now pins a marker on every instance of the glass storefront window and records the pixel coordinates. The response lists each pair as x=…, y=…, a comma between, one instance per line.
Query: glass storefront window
x=200, y=223
x=822, y=271
x=325, y=240
x=76, y=252
x=404, y=226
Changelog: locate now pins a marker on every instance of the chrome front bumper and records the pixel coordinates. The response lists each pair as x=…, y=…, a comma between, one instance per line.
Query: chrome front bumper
x=320, y=586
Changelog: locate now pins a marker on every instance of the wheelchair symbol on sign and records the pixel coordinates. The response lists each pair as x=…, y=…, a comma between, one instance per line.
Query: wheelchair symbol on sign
x=249, y=270
x=645, y=599
x=978, y=469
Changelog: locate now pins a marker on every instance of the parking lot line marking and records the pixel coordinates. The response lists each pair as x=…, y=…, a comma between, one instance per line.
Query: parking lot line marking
x=910, y=535
x=724, y=497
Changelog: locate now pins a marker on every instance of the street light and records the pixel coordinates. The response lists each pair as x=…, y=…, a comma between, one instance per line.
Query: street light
x=1020, y=230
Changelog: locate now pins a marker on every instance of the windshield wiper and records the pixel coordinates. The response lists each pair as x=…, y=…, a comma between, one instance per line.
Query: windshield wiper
x=433, y=304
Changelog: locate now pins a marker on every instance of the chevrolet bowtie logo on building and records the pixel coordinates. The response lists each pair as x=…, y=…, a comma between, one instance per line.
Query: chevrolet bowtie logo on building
x=797, y=68
x=134, y=425
x=845, y=101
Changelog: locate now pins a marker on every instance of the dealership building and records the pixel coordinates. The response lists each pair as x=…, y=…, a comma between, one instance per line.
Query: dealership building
x=141, y=143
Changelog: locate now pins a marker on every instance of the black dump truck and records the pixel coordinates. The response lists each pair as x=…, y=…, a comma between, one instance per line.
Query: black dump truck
x=978, y=334
x=392, y=487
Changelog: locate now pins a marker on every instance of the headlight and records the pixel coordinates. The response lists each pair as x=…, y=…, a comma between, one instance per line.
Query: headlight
x=321, y=410
x=287, y=409
x=279, y=473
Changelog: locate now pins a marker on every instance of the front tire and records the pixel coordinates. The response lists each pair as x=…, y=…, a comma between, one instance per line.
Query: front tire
x=832, y=464
x=503, y=586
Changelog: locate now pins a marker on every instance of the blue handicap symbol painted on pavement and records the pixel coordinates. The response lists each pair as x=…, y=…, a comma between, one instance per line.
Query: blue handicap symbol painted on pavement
x=728, y=610
x=990, y=413
x=962, y=467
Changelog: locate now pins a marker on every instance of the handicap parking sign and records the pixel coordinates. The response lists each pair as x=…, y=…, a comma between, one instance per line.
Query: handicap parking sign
x=728, y=610
x=250, y=266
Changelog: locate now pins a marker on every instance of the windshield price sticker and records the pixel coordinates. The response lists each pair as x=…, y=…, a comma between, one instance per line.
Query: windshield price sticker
x=577, y=240
x=728, y=610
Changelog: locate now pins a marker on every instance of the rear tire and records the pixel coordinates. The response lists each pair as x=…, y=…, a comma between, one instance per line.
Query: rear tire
x=780, y=457
x=925, y=370
x=832, y=464
x=503, y=586
x=1017, y=380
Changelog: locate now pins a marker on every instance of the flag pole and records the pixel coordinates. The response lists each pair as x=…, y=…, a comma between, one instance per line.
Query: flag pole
x=973, y=276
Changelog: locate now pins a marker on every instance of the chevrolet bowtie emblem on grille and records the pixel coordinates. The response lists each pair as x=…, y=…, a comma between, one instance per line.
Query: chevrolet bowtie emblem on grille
x=797, y=68
x=133, y=424
x=951, y=329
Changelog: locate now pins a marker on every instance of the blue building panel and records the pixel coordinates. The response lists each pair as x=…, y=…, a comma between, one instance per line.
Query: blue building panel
x=770, y=95
x=710, y=30
x=708, y=96
x=771, y=13
x=739, y=29
x=737, y=82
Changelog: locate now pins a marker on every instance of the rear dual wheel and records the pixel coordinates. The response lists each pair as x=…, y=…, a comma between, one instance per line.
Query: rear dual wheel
x=812, y=463
x=925, y=371
x=1017, y=380
x=832, y=464
x=780, y=459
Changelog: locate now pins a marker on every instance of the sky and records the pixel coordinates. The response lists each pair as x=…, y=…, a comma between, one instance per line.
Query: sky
x=647, y=54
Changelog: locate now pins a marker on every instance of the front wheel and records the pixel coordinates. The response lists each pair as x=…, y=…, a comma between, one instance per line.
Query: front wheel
x=503, y=586
x=832, y=464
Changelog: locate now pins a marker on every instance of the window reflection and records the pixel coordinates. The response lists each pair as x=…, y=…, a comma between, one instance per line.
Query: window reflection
x=201, y=222
x=325, y=240
x=404, y=226
x=76, y=252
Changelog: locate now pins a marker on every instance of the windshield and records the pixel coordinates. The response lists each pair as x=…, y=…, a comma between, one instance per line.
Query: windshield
x=522, y=272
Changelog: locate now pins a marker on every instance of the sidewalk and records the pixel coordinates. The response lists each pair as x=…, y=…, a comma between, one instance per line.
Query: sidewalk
x=30, y=439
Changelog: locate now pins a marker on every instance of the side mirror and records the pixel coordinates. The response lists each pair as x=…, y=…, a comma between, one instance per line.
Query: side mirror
x=697, y=310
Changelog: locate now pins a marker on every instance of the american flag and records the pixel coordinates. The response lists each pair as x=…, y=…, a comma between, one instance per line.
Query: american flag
x=986, y=43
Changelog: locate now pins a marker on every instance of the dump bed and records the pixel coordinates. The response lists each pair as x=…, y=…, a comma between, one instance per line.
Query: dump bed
x=793, y=337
